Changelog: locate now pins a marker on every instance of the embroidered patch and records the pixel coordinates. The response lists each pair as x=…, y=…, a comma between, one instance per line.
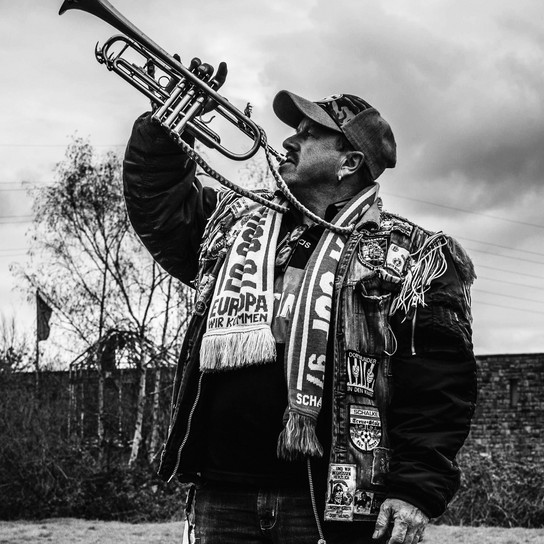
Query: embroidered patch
x=340, y=492
x=391, y=223
x=372, y=251
x=380, y=466
x=365, y=429
x=396, y=258
x=405, y=228
x=386, y=225
x=367, y=503
x=361, y=373
x=363, y=502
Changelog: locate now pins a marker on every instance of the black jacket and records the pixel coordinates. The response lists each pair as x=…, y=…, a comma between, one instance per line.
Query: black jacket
x=433, y=371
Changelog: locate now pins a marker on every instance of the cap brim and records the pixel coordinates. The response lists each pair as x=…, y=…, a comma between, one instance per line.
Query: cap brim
x=291, y=109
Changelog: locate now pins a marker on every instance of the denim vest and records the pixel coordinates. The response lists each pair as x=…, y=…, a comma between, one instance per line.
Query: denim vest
x=369, y=275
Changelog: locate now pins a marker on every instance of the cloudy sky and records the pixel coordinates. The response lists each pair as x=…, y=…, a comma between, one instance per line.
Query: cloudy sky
x=461, y=82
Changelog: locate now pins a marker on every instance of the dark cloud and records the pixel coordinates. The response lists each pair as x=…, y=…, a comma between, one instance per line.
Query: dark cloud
x=465, y=100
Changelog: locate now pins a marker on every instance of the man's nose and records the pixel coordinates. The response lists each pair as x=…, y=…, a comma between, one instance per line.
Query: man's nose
x=290, y=142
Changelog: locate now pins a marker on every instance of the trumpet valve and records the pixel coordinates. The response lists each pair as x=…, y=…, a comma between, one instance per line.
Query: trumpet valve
x=190, y=114
x=160, y=113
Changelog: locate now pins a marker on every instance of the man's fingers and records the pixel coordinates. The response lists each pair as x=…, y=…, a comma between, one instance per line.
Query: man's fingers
x=218, y=79
x=195, y=63
x=205, y=72
x=412, y=535
x=220, y=75
x=383, y=521
x=407, y=521
x=400, y=533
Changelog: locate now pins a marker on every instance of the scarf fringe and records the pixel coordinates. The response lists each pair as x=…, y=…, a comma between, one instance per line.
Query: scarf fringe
x=235, y=348
x=298, y=438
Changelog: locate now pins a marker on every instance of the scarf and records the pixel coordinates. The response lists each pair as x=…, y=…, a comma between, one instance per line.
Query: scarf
x=238, y=327
x=308, y=337
x=238, y=330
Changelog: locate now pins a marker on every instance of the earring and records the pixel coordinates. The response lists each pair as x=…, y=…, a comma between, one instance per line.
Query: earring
x=339, y=178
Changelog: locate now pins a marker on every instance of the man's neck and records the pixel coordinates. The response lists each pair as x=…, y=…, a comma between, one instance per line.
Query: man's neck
x=318, y=201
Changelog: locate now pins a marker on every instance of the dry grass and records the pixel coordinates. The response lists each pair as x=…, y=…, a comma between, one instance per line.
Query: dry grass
x=75, y=531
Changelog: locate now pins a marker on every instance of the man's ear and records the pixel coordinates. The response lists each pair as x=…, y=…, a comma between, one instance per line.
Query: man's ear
x=351, y=163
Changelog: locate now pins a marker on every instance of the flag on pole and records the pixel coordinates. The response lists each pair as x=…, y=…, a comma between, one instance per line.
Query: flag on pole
x=43, y=316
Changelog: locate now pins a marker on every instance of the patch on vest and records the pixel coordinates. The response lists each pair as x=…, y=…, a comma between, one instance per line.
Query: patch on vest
x=372, y=251
x=380, y=466
x=390, y=223
x=361, y=373
x=365, y=428
x=339, y=502
x=367, y=503
x=396, y=258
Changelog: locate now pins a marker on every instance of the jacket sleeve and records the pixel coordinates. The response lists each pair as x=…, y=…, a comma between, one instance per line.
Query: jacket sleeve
x=166, y=204
x=434, y=390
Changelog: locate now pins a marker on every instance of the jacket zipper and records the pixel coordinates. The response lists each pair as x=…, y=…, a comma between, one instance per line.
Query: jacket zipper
x=189, y=421
x=414, y=332
x=314, y=505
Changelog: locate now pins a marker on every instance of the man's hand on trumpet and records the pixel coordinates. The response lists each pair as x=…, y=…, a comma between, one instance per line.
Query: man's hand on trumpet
x=203, y=71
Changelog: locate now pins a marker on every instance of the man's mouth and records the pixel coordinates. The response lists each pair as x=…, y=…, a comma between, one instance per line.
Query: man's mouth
x=288, y=159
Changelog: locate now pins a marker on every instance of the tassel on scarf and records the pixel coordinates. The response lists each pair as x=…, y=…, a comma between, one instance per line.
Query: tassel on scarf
x=298, y=438
x=235, y=349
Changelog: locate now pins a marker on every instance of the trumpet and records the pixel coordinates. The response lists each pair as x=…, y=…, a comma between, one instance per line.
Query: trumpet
x=180, y=94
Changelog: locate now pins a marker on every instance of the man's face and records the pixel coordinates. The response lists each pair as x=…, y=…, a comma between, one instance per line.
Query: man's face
x=312, y=157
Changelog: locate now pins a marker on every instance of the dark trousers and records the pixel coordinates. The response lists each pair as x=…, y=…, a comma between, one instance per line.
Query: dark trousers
x=234, y=514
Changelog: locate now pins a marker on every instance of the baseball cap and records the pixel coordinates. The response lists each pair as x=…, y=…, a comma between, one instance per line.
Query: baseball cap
x=363, y=126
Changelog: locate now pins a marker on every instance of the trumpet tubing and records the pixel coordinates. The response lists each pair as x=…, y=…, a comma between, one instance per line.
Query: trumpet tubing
x=180, y=95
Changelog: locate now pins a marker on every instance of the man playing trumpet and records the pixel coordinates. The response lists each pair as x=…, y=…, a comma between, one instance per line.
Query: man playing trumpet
x=327, y=377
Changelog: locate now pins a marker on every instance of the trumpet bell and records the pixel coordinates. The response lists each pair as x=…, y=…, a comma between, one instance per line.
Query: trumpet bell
x=178, y=93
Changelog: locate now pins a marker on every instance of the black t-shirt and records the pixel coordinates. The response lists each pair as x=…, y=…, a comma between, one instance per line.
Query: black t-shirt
x=244, y=410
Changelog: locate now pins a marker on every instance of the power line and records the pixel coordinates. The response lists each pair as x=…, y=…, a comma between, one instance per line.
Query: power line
x=516, y=272
x=508, y=296
x=501, y=246
x=16, y=216
x=509, y=307
x=5, y=182
x=512, y=283
x=14, y=222
x=59, y=145
x=11, y=255
x=506, y=256
x=525, y=223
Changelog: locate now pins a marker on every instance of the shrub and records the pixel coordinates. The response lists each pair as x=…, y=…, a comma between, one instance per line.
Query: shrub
x=45, y=472
x=71, y=482
x=497, y=490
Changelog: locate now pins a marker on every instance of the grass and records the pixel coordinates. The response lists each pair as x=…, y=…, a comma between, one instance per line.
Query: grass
x=75, y=531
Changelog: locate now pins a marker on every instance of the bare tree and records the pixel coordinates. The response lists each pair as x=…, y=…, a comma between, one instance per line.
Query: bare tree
x=88, y=262
x=94, y=272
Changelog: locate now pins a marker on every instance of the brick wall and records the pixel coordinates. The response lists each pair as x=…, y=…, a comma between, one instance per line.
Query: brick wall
x=509, y=416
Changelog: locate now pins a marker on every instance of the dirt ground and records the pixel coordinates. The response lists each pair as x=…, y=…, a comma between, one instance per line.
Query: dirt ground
x=75, y=531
